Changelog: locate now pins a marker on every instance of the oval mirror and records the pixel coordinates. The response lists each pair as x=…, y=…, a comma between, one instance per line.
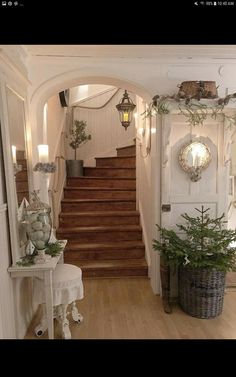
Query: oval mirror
x=193, y=158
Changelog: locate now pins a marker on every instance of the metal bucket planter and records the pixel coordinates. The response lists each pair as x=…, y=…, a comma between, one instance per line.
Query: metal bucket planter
x=74, y=168
x=201, y=291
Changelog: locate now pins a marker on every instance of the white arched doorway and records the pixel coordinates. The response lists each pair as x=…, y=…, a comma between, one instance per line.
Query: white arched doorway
x=72, y=79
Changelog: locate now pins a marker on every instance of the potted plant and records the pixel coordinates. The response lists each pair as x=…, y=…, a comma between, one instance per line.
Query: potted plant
x=78, y=137
x=203, y=252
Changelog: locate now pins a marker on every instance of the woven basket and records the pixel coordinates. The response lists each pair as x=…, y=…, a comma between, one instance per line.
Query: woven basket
x=201, y=291
x=204, y=89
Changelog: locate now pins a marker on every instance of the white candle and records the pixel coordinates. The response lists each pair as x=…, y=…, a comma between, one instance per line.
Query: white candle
x=13, y=148
x=43, y=153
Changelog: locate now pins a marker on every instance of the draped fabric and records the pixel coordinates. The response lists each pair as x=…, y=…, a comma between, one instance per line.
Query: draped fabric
x=67, y=285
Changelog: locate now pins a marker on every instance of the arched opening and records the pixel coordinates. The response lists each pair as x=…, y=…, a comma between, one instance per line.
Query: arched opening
x=144, y=169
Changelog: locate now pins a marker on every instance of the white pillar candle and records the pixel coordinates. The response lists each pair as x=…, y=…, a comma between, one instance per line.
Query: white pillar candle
x=13, y=148
x=43, y=153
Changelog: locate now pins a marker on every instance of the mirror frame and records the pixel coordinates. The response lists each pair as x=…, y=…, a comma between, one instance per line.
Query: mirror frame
x=20, y=91
x=193, y=171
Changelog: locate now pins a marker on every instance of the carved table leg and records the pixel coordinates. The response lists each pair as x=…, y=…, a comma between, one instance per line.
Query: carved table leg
x=77, y=317
x=62, y=318
x=43, y=325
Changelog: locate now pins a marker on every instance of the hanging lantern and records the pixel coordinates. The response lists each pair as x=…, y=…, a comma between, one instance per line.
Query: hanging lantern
x=125, y=108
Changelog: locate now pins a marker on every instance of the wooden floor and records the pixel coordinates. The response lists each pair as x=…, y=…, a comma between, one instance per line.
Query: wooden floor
x=230, y=279
x=127, y=309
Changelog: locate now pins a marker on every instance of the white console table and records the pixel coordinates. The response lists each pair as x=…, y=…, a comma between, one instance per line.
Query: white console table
x=42, y=271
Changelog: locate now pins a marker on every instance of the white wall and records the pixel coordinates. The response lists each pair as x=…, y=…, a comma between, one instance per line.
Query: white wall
x=55, y=121
x=104, y=126
x=82, y=92
x=148, y=186
x=7, y=320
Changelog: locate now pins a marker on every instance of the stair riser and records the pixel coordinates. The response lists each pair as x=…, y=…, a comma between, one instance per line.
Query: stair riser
x=110, y=206
x=89, y=194
x=20, y=155
x=22, y=195
x=75, y=256
x=22, y=185
x=96, y=182
x=22, y=176
x=73, y=221
x=129, y=162
x=22, y=162
x=129, y=151
x=122, y=173
x=114, y=273
x=87, y=237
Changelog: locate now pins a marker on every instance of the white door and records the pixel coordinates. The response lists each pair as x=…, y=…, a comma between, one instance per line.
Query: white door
x=178, y=193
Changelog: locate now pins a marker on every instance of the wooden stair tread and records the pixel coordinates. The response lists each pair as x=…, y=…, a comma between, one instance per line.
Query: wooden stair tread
x=114, y=264
x=101, y=178
x=118, y=157
x=100, y=213
x=128, y=146
x=108, y=167
x=101, y=246
x=111, y=228
x=98, y=188
x=96, y=200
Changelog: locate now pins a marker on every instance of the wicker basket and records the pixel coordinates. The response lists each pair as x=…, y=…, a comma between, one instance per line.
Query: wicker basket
x=195, y=89
x=201, y=291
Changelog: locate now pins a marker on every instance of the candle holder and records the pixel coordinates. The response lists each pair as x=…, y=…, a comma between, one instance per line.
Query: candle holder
x=17, y=168
x=193, y=158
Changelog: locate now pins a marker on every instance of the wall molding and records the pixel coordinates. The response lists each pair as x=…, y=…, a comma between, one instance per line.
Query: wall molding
x=11, y=66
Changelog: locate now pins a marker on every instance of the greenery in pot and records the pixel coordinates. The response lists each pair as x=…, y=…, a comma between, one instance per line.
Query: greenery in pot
x=206, y=243
x=78, y=135
x=203, y=254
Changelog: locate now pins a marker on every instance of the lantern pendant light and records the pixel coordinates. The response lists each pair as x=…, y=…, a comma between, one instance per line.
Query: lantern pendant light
x=125, y=108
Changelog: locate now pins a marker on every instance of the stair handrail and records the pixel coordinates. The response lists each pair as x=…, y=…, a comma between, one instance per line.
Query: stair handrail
x=57, y=183
x=98, y=107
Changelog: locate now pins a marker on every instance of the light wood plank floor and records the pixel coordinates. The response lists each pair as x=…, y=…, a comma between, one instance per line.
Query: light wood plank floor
x=230, y=280
x=128, y=309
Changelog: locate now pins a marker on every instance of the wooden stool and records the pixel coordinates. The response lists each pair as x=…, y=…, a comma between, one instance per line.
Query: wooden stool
x=67, y=287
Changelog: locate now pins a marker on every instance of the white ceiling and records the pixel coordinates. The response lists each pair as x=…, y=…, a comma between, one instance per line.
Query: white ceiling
x=135, y=51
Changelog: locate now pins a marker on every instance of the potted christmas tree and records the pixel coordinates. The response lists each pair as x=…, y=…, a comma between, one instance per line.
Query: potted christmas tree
x=78, y=137
x=202, y=252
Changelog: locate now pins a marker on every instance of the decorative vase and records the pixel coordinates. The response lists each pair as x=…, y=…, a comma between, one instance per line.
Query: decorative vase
x=74, y=168
x=39, y=224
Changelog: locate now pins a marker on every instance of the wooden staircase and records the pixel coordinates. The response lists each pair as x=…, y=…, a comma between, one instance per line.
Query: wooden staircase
x=22, y=187
x=100, y=221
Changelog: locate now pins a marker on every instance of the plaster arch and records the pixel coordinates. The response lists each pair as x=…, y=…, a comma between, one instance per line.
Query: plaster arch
x=75, y=78
x=71, y=79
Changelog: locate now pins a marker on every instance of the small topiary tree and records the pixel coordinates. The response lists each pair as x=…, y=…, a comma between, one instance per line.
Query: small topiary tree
x=78, y=135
